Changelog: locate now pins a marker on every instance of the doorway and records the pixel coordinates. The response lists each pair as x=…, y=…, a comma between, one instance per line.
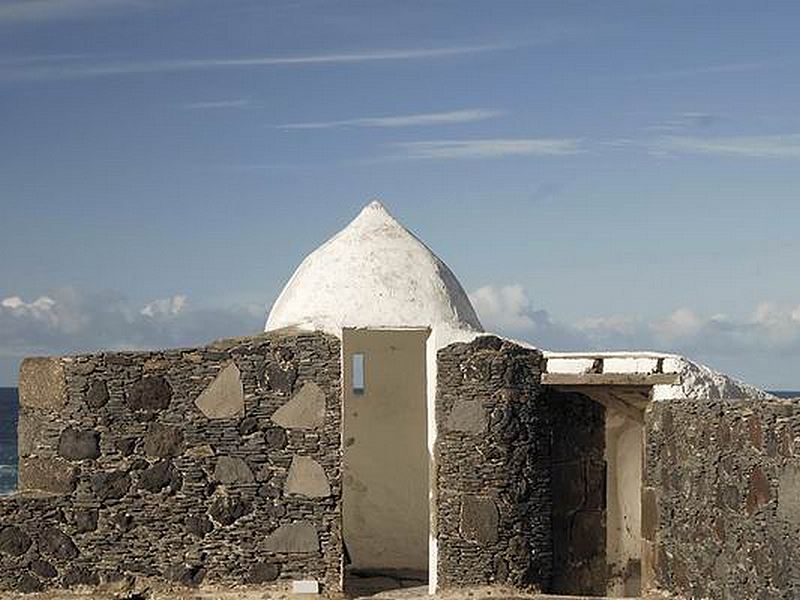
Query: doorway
x=385, y=482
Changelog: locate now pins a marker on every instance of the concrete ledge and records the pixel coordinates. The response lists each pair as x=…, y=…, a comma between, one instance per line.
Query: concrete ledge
x=626, y=379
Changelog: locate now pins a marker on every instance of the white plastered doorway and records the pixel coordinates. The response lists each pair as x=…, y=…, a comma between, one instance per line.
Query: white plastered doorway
x=385, y=462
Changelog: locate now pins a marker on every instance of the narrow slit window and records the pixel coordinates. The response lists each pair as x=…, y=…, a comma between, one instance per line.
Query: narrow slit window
x=358, y=373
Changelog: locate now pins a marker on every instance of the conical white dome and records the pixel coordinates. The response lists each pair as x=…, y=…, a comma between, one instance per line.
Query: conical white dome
x=373, y=273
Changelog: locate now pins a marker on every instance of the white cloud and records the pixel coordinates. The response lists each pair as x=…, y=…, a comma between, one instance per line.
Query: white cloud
x=67, y=321
x=107, y=69
x=786, y=146
x=165, y=307
x=213, y=104
x=771, y=332
x=436, y=118
x=489, y=148
x=40, y=10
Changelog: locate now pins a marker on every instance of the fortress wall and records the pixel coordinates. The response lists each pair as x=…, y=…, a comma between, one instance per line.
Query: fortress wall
x=217, y=464
x=721, y=502
x=492, y=461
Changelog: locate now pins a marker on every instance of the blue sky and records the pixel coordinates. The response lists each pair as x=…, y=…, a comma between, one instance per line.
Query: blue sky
x=598, y=174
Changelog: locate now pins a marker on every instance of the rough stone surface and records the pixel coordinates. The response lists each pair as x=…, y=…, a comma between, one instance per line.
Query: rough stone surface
x=479, y=519
x=52, y=475
x=307, y=478
x=716, y=469
x=468, y=416
x=789, y=495
x=149, y=501
x=163, y=441
x=263, y=572
x=97, y=394
x=77, y=444
x=56, y=544
x=150, y=394
x=306, y=409
x=111, y=486
x=231, y=470
x=224, y=397
x=13, y=541
x=42, y=383
x=509, y=463
x=295, y=538
x=30, y=428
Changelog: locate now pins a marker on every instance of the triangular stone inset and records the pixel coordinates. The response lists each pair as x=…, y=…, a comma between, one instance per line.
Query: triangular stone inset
x=307, y=478
x=306, y=409
x=295, y=538
x=224, y=397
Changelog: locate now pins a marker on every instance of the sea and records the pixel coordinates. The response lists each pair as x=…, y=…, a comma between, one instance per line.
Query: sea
x=9, y=404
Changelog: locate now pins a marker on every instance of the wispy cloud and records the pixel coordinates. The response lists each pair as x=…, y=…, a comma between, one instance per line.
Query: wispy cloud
x=109, y=69
x=489, y=148
x=18, y=11
x=692, y=71
x=785, y=146
x=214, y=104
x=685, y=120
x=435, y=118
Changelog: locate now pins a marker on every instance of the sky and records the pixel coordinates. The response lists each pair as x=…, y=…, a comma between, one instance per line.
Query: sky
x=599, y=175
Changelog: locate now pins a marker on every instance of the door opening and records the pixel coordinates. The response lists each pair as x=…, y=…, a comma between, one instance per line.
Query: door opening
x=385, y=483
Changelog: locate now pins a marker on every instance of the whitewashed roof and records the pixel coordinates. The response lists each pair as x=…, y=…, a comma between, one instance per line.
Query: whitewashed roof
x=374, y=273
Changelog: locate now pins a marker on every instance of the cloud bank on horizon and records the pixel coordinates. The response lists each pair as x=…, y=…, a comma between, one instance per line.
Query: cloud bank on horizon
x=68, y=321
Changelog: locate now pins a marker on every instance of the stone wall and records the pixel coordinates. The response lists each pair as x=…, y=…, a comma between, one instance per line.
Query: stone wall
x=579, y=495
x=217, y=464
x=492, y=460
x=721, y=502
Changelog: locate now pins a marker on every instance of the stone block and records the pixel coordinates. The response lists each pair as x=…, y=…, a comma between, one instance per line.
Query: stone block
x=76, y=575
x=789, y=495
x=85, y=520
x=226, y=510
x=42, y=384
x=78, y=444
x=224, y=397
x=263, y=572
x=275, y=438
x=160, y=475
x=56, y=544
x=758, y=492
x=53, y=475
x=295, y=538
x=29, y=428
x=649, y=514
x=479, y=520
x=163, y=441
x=14, y=541
x=97, y=394
x=230, y=470
x=467, y=416
x=280, y=378
x=306, y=409
x=150, y=394
x=111, y=486
x=198, y=525
x=307, y=478
x=43, y=569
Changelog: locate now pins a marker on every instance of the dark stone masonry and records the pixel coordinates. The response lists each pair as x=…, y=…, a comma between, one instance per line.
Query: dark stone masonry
x=168, y=465
x=493, y=466
x=721, y=499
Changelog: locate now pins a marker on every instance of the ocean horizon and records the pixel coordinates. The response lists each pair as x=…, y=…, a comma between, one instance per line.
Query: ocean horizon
x=9, y=409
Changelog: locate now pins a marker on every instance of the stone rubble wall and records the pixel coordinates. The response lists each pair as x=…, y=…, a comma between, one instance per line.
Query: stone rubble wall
x=492, y=461
x=721, y=499
x=217, y=464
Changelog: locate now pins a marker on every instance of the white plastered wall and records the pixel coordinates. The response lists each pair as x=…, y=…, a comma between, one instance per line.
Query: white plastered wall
x=624, y=439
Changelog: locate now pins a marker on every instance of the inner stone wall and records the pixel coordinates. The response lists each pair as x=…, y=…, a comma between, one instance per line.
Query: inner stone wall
x=721, y=502
x=579, y=495
x=217, y=464
x=492, y=460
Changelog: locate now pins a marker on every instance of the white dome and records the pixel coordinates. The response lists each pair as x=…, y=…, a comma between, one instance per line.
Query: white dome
x=373, y=273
